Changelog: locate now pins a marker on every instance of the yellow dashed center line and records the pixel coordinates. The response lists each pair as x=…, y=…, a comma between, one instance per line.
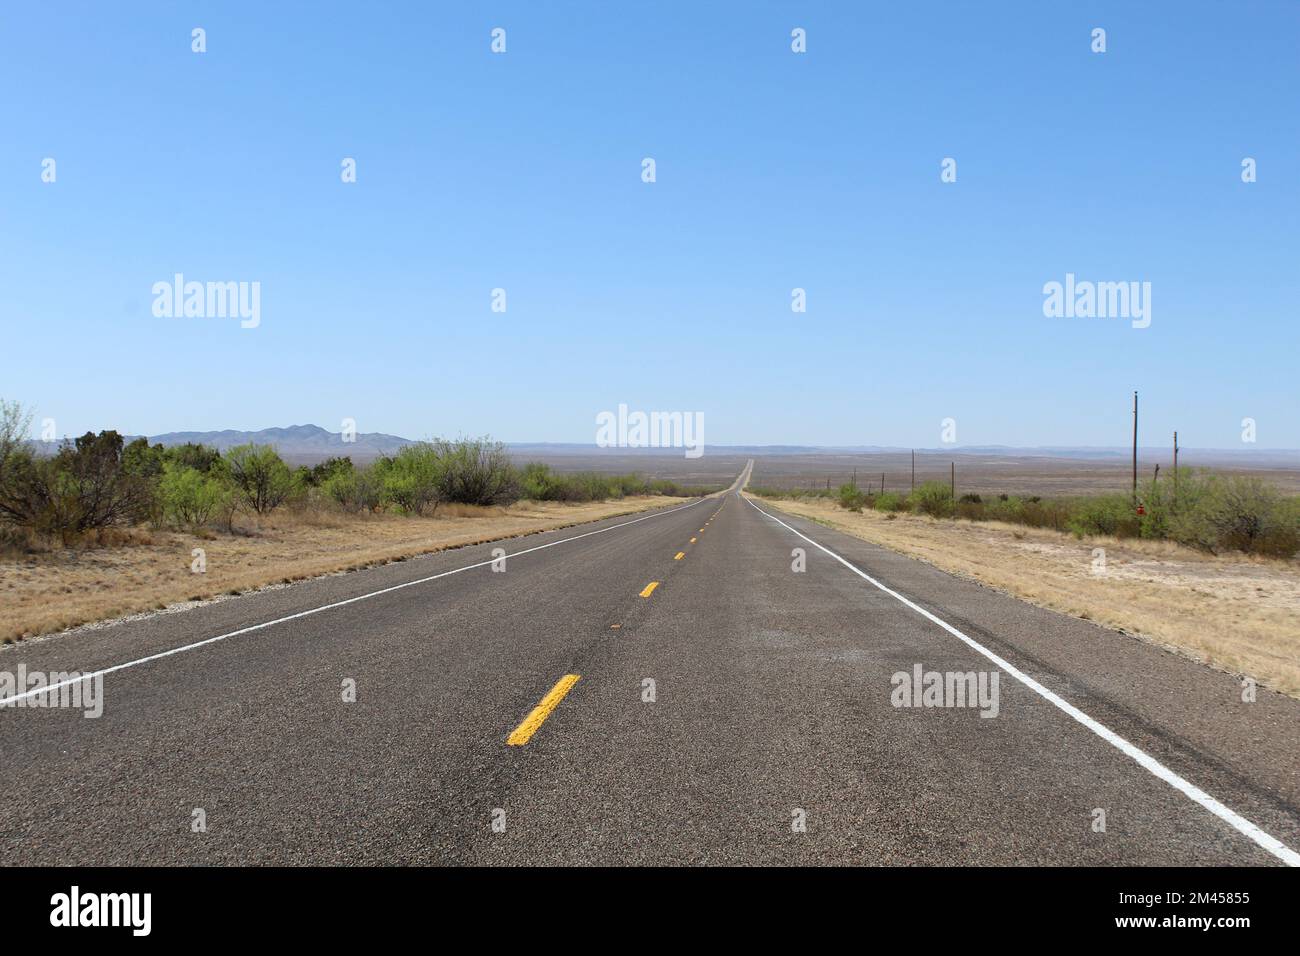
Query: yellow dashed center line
x=524, y=732
x=680, y=555
x=693, y=540
x=649, y=589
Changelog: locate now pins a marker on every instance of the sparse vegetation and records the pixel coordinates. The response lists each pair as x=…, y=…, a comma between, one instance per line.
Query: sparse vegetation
x=475, y=471
x=410, y=480
x=934, y=499
x=890, y=502
x=851, y=497
x=793, y=494
x=356, y=490
x=191, y=498
x=97, y=483
x=260, y=477
x=87, y=485
x=1213, y=513
x=537, y=482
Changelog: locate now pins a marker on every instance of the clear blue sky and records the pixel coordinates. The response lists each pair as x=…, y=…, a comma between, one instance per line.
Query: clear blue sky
x=775, y=170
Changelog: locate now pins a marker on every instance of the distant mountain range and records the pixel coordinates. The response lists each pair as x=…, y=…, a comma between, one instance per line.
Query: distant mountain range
x=296, y=441
x=311, y=442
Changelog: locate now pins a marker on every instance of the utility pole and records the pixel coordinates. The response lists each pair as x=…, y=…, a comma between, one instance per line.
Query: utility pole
x=882, y=482
x=952, y=482
x=914, y=469
x=1175, y=469
x=1135, y=447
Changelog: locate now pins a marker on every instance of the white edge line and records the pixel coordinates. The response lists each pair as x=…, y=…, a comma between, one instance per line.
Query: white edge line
x=327, y=607
x=1267, y=841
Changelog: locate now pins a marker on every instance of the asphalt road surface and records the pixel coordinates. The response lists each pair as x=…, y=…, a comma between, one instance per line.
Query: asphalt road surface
x=565, y=711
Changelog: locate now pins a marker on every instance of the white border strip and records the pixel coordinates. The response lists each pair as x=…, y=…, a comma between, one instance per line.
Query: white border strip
x=1270, y=843
x=329, y=607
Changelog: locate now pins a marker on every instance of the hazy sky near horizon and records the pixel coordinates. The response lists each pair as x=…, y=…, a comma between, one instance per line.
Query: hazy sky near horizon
x=775, y=170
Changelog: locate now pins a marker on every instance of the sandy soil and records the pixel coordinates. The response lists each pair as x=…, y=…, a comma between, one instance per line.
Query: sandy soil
x=50, y=592
x=1237, y=613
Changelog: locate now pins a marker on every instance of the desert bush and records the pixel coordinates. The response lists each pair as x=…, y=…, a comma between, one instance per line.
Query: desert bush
x=851, y=497
x=320, y=473
x=1212, y=512
x=14, y=423
x=1246, y=514
x=309, y=478
x=354, y=489
x=145, y=460
x=191, y=498
x=793, y=494
x=260, y=476
x=623, y=486
x=85, y=485
x=475, y=471
x=933, y=498
x=589, y=486
x=671, y=489
x=16, y=541
x=1104, y=514
x=192, y=455
x=1045, y=513
x=411, y=479
x=537, y=482
x=891, y=502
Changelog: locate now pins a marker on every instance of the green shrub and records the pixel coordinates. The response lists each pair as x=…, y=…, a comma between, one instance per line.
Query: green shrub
x=260, y=476
x=14, y=423
x=317, y=475
x=1248, y=515
x=1104, y=514
x=537, y=482
x=412, y=478
x=933, y=498
x=793, y=494
x=84, y=486
x=851, y=497
x=476, y=471
x=1212, y=512
x=191, y=498
x=354, y=489
x=1039, y=513
x=891, y=502
x=191, y=455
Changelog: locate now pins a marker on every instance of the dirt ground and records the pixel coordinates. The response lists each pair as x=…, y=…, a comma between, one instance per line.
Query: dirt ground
x=49, y=592
x=1238, y=613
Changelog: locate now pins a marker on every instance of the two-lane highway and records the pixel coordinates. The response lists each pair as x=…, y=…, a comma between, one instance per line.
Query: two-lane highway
x=708, y=683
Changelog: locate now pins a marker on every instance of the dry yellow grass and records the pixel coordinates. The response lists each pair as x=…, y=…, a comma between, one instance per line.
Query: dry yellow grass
x=1237, y=613
x=50, y=592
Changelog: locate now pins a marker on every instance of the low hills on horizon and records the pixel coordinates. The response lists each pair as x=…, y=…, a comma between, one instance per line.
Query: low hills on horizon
x=308, y=442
